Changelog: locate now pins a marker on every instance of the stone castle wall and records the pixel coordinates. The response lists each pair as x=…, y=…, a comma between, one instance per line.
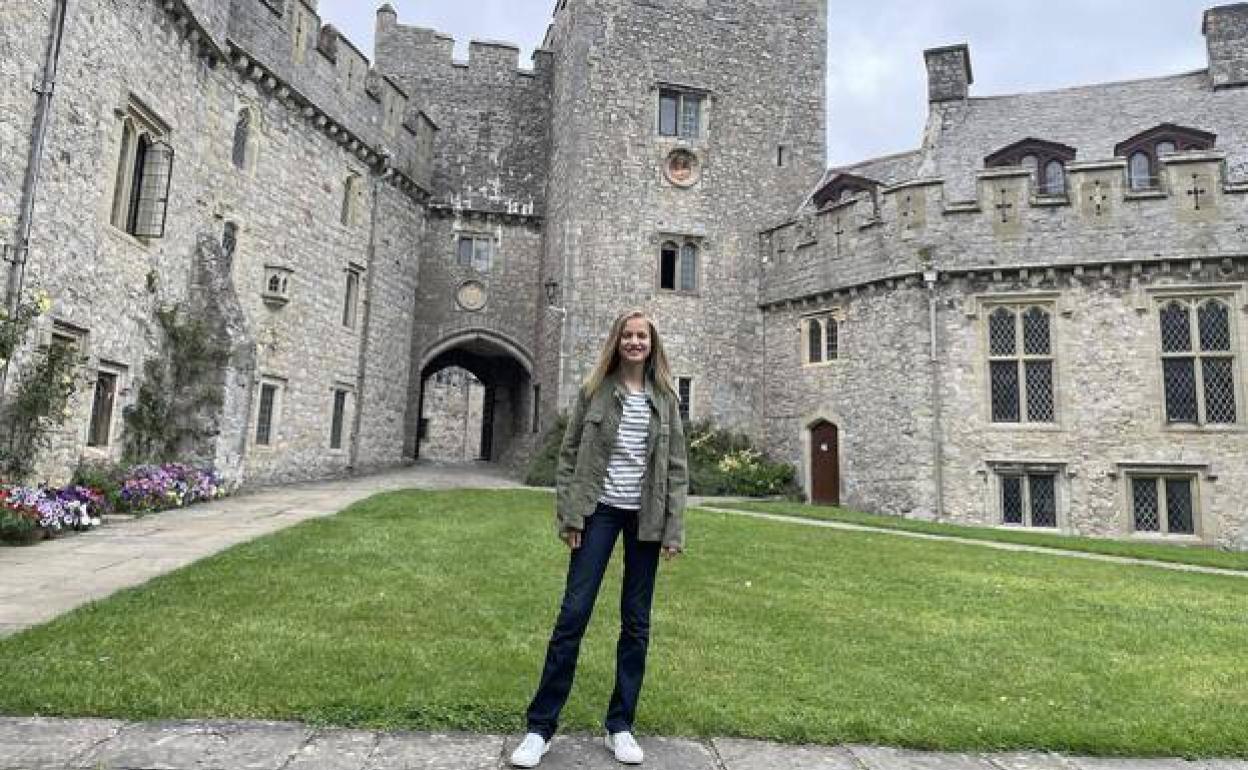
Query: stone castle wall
x=761, y=67
x=287, y=207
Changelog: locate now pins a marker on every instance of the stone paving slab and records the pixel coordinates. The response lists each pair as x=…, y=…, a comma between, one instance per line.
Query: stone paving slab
x=1030, y=761
x=335, y=750
x=435, y=751
x=51, y=744
x=211, y=745
x=884, y=758
x=760, y=755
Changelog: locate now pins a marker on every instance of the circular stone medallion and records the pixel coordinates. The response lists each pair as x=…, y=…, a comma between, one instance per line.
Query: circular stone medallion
x=471, y=295
x=682, y=168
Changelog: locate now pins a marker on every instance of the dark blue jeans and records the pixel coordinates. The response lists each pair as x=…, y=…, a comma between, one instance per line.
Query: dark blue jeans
x=585, y=571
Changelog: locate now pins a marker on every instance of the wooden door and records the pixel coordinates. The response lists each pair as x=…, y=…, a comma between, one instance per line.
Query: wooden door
x=825, y=465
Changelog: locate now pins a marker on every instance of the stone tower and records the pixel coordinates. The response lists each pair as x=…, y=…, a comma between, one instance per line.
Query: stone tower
x=678, y=130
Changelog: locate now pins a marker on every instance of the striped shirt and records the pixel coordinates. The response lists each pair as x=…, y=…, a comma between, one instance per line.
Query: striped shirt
x=627, y=464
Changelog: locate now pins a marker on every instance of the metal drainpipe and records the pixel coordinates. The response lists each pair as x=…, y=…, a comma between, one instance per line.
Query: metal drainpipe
x=25, y=219
x=366, y=322
x=938, y=449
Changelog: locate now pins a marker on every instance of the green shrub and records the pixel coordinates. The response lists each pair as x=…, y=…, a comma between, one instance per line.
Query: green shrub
x=104, y=476
x=720, y=463
x=541, y=472
x=725, y=463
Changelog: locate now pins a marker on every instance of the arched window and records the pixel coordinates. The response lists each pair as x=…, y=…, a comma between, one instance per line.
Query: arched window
x=1054, y=178
x=1046, y=160
x=669, y=255
x=1145, y=150
x=242, y=136
x=688, y=267
x=1020, y=362
x=1140, y=171
x=1198, y=361
x=814, y=340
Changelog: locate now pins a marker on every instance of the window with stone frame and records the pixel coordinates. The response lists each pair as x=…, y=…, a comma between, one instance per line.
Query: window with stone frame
x=1028, y=496
x=1145, y=150
x=1198, y=361
x=144, y=174
x=1163, y=503
x=268, y=412
x=1021, y=364
x=276, y=284
x=680, y=112
x=476, y=251
x=338, y=417
x=1044, y=159
x=351, y=296
x=678, y=265
x=684, y=393
x=821, y=337
x=103, y=407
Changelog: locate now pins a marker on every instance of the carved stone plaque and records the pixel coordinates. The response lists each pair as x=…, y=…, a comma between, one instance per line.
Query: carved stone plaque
x=471, y=295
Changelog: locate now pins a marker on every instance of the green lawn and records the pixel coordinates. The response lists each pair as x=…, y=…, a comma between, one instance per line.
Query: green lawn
x=1180, y=554
x=431, y=610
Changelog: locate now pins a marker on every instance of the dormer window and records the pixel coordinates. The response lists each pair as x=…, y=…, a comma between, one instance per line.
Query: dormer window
x=1145, y=150
x=1044, y=159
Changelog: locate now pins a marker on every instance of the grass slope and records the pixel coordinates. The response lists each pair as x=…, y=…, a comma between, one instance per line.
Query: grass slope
x=432, y=609
x=1172, y=553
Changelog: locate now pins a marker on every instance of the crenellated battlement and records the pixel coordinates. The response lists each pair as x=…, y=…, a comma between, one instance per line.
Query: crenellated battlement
x=289, y=51
x=422, y=52
x=913, y=226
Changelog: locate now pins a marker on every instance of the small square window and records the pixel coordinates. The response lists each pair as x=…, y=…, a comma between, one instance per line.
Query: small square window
x=1028, y=498
x=476, y=252
x=680, y=113
x=1164, y=504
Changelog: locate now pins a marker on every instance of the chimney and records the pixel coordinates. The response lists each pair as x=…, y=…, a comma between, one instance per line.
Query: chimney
x=1225, y=28
x=948, y=72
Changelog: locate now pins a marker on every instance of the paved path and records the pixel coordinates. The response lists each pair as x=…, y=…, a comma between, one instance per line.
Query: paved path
x=708, y=504
x=101, y=744
x=43, y=581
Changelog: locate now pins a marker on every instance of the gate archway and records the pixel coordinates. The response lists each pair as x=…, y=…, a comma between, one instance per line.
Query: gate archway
x=504, y=370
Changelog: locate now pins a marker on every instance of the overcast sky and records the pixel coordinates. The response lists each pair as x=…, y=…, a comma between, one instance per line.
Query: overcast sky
x=876, y=81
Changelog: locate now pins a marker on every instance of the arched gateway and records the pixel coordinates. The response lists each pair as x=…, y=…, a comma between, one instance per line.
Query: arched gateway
x=505, y=371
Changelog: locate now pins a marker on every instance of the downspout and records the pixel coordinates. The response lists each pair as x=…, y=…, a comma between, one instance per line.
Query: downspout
x=30, y=186
x=938, y=450
x=370, y=280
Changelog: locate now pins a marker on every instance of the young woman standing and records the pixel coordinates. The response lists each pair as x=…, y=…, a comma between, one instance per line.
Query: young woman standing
x=622, y=471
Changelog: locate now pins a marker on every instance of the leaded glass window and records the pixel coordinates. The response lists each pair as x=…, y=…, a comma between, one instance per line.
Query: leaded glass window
x=1140, y=171
x=265, y=415
x=1165, y=504
x=688, y=267
x=1029, y=498
x=832, y=334
x=1054, y=178
x=1020, y=365
x=1198, y=361
x=822, y=339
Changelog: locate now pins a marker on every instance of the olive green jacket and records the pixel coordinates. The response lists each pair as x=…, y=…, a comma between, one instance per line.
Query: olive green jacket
x=587, y=445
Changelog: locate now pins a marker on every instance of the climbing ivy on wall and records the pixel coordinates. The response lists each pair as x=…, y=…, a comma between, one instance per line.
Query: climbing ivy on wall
x=179, y=402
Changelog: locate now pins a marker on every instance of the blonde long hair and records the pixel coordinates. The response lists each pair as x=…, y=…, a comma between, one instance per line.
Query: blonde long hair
x=609, y=358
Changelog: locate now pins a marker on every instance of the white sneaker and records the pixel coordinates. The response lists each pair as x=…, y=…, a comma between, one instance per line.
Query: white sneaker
x=530, y=751
x=625, y=748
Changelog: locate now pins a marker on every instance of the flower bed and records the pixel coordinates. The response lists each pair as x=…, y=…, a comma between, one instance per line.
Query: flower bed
x=28, y=514
x=31, y=513
x=148, y=488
